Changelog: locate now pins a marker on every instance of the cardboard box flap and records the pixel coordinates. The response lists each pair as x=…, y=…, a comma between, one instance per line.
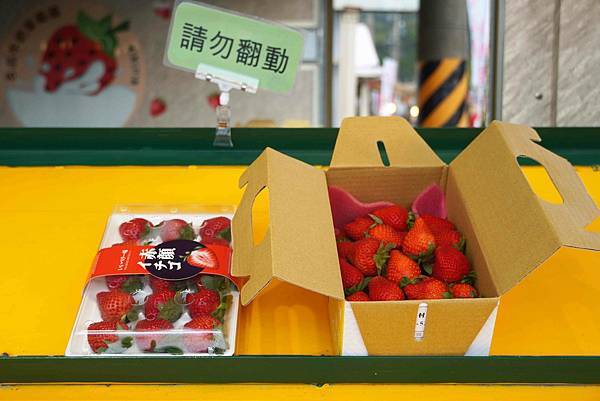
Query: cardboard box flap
x=299, y=246
x=516, y=229
x=358, y=138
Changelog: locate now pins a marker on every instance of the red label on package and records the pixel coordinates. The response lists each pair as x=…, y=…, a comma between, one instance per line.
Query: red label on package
x=171, y=260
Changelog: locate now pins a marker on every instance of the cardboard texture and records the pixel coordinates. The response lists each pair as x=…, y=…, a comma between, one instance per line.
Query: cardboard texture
x=508, y=229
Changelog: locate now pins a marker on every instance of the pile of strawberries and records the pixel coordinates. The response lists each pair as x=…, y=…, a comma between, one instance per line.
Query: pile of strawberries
x=392, y=255
x=126, y=319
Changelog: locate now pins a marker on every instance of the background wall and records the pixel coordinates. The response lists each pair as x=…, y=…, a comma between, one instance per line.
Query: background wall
x=552, y=62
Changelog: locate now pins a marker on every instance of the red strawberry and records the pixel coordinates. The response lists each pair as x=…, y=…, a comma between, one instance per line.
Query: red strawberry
x=127, y=282
x=135, y=229
x=462, y=290
x=450, y=264
x=345, y=248
x=450, y=238
x=72, y=49
x=157, y=107
x=419, y=242
x=170, y=230
x=203, y=302
x=203, y=258
x=400, y=266
x=214, y=100
x=387, y=234
x=381, y=289
x=158, y=284
x=217, y=227
x=429, y=288
x=369, y=256
x=358, y=228
x=114, y=305
x=351, y=276
x=395, y=216
x=200, y=335
x=148, y=342
x=358, y=297
x=340, y=234
x=437, y=224
x=216, y=241
x=99, y=342
x=162, y=305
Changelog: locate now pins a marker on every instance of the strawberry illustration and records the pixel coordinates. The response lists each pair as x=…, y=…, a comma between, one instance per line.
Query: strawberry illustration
x=203, y=302
x=100, y=342
x=170, y=230
x=401, y=269
x=157, y=107
x=115, y=305
x=148, y=342
x=345, y=248
x=450, y=264
x=358, y=228
x=369, y=256
x=203, y=258
x=162, y=305
x=395, y=216
x=437, y=224
x=359, y=296
x=428, y=288
x=351, y=276
x=387, y=234
x=381, y=289
x=463, y=290
x=135, y=229
x=127, y=282
x=419, y=242
x=200, y=333
x=72, y=49
x=217, y=227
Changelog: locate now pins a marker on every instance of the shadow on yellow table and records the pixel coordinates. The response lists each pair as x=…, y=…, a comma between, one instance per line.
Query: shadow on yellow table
x=53, y=219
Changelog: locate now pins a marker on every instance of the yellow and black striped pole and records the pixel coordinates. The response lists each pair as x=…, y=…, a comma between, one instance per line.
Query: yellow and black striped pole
x=443, y=63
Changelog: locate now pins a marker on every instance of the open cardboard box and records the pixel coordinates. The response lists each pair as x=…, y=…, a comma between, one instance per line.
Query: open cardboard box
x=508, y=229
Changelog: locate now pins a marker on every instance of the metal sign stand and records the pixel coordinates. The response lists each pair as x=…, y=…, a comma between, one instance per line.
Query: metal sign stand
x=226, y=81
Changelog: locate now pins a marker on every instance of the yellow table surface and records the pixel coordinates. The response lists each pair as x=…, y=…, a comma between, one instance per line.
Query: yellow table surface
x=52, y=223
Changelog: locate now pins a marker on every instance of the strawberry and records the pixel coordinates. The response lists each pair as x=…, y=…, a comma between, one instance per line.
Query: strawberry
x=450, y=264
x=358, y=297
x=158, y=284
x=162, y=305
x=369, y=256
x=170, y=230
x=100, y=342
x=340, y=234
x=148, y=342
x=217, y=227
x=351, y=276
x=203, y=339
x=419, y=242
x=395, y=216
x=462, y=290
x=214, y=100
x=114, y=305
x=401, y=268
x=387, y=234
x=157, y=107
x=135, y=229
x=344, y=249
x=437, y=224
x=358, y=227
x=203, y=258
x=429, y=288
x=127, y=282
x=203, y=302
x=72, y=49
x=381, y=289
x=450, y=238
x=216, y=241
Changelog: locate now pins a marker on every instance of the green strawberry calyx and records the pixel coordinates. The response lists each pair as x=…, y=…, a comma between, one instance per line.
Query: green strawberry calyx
x=101, y=31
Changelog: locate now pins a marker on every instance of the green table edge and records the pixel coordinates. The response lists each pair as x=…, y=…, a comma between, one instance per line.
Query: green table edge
x=302, y=369
x=193, y=146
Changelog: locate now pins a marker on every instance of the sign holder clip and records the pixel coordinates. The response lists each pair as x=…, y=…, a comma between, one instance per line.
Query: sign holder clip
x=226, y=81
